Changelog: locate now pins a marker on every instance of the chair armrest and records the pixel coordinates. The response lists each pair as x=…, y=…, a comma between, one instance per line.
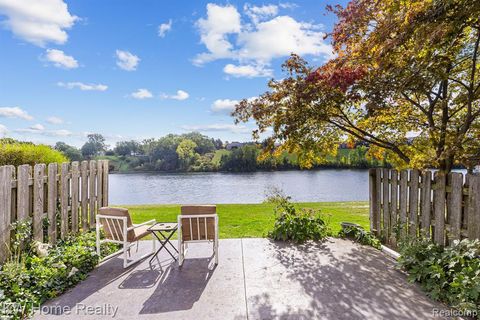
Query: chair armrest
x=142, y=224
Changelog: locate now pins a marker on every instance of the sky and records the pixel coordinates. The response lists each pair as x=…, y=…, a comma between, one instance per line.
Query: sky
x=139, y=69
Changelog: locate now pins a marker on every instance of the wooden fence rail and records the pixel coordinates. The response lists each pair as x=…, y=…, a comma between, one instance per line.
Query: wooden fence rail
x=441, y=207
x=67, y=196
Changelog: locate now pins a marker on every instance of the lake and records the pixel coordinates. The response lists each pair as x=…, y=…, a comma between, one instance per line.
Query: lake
x=218, y=187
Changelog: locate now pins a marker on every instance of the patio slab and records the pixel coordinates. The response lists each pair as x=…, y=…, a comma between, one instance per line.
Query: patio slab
x=255, y=279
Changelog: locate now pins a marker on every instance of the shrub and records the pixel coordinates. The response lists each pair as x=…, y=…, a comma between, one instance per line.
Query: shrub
x=358, y=234
x=28, y=153
x=298, y=225
x=450, y=274
x=28, y=280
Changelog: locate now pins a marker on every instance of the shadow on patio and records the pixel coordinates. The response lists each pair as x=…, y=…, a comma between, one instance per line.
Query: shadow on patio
x=336, y=279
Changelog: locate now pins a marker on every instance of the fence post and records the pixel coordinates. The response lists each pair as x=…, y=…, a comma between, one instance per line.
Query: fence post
x=6, y=177
x=38, y=201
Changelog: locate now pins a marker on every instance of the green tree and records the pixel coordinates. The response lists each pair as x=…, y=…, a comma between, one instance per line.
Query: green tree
x=186, y=153
x=94, y=146
x=127, y=148
x=204, y=143
x=69, y=151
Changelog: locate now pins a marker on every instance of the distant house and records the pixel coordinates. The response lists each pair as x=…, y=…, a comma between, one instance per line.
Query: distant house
x=234, y=145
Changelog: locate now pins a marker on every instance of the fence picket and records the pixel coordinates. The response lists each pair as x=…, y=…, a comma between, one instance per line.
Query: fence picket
x=394, y=200
x=23, y=194
x=75, y=195
x=52, y=196
x=439, y=208
x=64, y=193
x=426, y=201
x=105, y=183
x=38, y=203
x=413, y=203
x=84, y=194
x=91, y=192
x=454, y=205
x=6, y=178
x=386, y=203
x=99, y=184
x=403, y=201
x=474, y=207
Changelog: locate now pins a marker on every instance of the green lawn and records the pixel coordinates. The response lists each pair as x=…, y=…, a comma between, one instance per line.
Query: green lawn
x=255, y=220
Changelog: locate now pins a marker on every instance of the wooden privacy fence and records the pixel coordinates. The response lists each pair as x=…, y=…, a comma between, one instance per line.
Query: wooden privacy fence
x=409, y=202
x=68, y=193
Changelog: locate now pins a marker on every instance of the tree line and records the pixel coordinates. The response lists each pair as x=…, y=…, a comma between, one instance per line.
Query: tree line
x=197, y=152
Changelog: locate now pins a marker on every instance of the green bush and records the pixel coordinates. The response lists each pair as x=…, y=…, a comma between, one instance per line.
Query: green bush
x=27, y=153
x=28, y=279
x=298, y=225
x=358, y=234
x=450, y=274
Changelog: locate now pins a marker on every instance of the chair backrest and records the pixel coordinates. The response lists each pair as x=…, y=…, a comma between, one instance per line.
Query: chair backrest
x=202, y=228
x=114, y=227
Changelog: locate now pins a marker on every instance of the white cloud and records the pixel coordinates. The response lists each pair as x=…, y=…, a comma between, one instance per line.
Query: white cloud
x=164, y=28
x=55, y=120
x=39, y=21
x=14, y=112
x=180, y=95
x=3, y=130
x=280, y=37
x=43, y=132
x=37, y=127
x=83, y=86
x=254, y=46
x=248, y=71
x=214, y=30
x=141, y=94
x=224, y=105
x=287, y=5
x=217, y=127
x=257, y=14
x=126, y=60
x=60, y=59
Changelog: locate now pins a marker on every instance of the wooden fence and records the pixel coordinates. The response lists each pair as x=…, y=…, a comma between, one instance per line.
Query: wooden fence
x=410, y=202
x=68, y=195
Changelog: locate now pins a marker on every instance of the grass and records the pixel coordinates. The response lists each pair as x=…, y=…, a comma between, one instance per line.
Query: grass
x=255, y=220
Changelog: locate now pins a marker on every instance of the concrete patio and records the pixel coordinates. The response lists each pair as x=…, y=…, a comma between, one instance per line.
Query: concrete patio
x=255, y=279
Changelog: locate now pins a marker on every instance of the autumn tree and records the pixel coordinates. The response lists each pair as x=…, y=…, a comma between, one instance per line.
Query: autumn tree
x=405, y=80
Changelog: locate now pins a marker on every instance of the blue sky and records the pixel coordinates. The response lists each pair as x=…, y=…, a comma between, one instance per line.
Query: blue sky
x=139, y=69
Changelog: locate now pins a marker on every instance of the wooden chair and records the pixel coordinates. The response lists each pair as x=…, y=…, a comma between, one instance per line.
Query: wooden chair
x=118, y=228
x=197, y=223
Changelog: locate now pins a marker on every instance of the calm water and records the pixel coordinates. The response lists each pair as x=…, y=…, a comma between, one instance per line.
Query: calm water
x=187, y=188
